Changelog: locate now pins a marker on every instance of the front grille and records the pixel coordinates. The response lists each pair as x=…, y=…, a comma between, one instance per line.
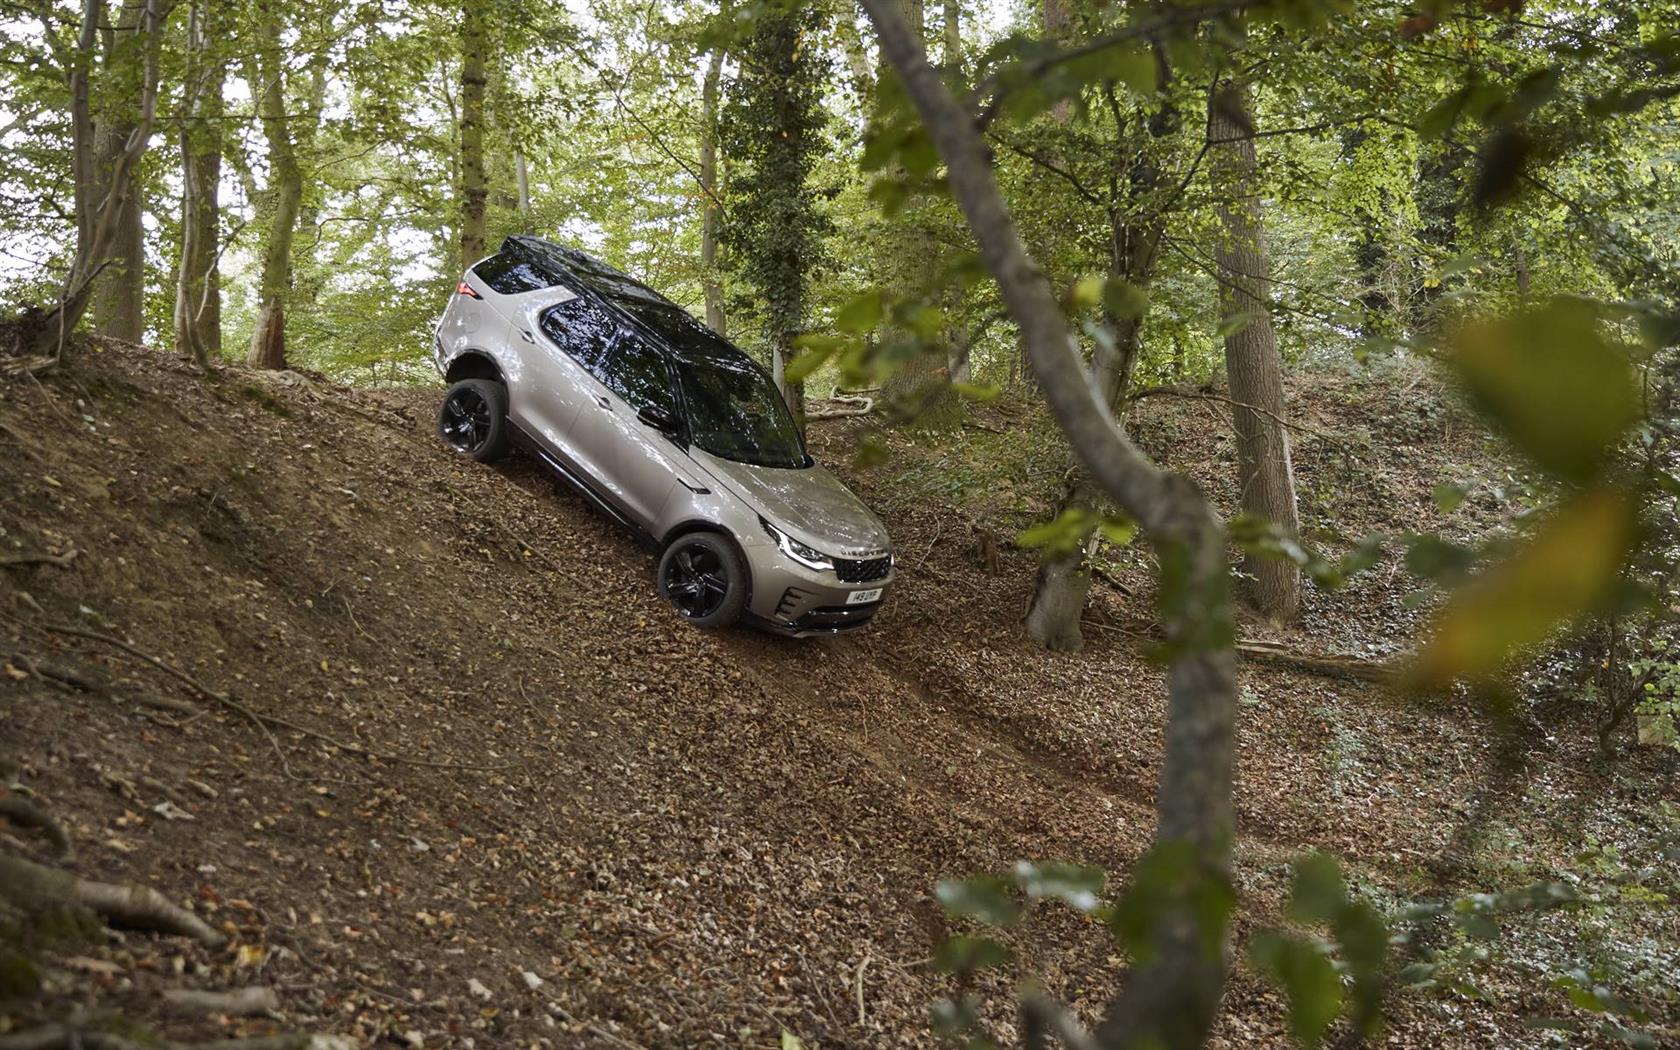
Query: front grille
x=851, y=571
x=791, y=598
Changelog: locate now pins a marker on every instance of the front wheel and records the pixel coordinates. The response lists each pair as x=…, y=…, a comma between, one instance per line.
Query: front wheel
x=473, y=419
x=704, y=578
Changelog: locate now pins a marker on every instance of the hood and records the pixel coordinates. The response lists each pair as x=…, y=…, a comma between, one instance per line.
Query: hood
x=808, y=503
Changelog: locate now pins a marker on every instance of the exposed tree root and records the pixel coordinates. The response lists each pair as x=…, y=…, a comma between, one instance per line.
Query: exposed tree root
x=25, y=814
x=34, y=887
x=40, y=558
x=843, y=406
x=74, y=1037
x=240, y=1002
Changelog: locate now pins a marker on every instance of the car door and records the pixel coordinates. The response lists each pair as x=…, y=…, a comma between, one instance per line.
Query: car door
x=634, y=463
x=562, y=343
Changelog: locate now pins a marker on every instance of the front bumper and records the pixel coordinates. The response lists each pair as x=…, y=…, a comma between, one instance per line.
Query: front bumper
x=791, y=599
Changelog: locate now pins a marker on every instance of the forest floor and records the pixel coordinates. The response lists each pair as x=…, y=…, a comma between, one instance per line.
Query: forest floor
x=549, y=813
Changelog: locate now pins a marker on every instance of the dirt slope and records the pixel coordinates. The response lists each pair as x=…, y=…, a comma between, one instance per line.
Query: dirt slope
x=564, y=816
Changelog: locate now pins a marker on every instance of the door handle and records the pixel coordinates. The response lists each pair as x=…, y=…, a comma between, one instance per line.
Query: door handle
x=600, y=399
x=528, y=337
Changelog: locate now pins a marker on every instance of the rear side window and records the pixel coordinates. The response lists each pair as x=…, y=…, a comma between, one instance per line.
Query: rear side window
x=636, y=371
x=509, y=276
x=584, y=329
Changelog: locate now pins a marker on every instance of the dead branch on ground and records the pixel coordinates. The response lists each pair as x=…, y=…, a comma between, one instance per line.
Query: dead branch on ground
x=843, y=406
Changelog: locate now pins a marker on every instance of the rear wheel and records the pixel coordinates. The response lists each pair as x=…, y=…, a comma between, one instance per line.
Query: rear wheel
x=704, y=578
x=473, y=419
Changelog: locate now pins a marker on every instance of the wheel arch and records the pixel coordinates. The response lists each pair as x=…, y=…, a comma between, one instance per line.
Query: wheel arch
x=473, y=364
x=690, y=526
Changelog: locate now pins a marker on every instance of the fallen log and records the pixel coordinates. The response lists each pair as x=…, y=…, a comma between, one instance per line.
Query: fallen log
x=1329, y=665
x=240, y=1002
x=34, y=887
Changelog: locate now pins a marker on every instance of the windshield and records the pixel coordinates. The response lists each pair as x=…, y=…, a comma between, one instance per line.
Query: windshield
x=734, y=410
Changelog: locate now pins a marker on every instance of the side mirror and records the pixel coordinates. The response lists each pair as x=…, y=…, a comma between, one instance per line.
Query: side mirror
x=658, y=418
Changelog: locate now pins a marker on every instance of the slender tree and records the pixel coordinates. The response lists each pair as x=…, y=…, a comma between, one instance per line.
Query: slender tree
x=474, y=188
x=1265, y=473
x=119, y=295
x=1136, y=225
x=1169, y=998
x=710, y=212
x=284, y=194
x=198, y=297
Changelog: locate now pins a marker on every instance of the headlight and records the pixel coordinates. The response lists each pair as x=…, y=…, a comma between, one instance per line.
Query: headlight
x=809, y=557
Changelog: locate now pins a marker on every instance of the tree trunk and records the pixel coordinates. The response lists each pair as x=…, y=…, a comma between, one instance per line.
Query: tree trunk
x=474, y=190
x=1170, y=997
x=119, y=293
x=1264, y=471
x=522, y=179
x=285, y=197
x=1064, y=584
x=709, y=213
x=101, y=192
x=198, y=299
x=952, y=56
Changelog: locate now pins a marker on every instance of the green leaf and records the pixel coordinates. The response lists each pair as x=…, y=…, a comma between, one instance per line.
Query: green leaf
x=1085, y=293
x=967, y=954
x=978, y=391
x=861, y=314
x=1429, y=557
x=1448, y=497
x=1318, y=893
x=791, y=1041
x=984, y=898
x=1064, y=535
x=1134, y=67
x=1074, y=884
x=1118, y=531
x=806, y=363
x=1234, y=323
x=1569, y=567
x=1125, y=300
x=1553, y=383
x=1308, y=979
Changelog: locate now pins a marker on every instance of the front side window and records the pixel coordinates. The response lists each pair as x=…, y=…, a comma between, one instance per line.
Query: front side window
x=509, y=276
x=636, y=371
x=584, y=329
x=735, y=411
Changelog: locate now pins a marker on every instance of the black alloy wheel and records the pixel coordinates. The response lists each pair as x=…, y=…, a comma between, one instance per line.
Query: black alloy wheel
x=704, y=579
x=471, y=419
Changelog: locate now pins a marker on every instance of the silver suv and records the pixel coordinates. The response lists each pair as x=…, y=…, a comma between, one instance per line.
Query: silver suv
x=667, y=428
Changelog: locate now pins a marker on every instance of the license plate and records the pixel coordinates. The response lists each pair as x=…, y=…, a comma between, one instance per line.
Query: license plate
x=859, y=597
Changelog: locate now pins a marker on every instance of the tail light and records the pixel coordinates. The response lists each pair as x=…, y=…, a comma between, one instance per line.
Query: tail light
x=467, y=290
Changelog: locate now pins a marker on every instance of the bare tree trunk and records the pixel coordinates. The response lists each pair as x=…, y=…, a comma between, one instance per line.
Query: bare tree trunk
x=474, y=189
x=285, y=197
x=101, y=192
x=1264, y=470
x=792, y=393
x=522, y=179
x=119, y=293
x=951, y=57
x=709, y=212
x=1171, y=996
x=198, y=322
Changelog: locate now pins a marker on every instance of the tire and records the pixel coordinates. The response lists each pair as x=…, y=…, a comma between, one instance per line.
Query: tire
x=473, y=419
x=704, y=577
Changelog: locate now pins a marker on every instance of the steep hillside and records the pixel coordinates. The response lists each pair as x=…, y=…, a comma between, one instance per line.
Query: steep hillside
x=470, y=780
